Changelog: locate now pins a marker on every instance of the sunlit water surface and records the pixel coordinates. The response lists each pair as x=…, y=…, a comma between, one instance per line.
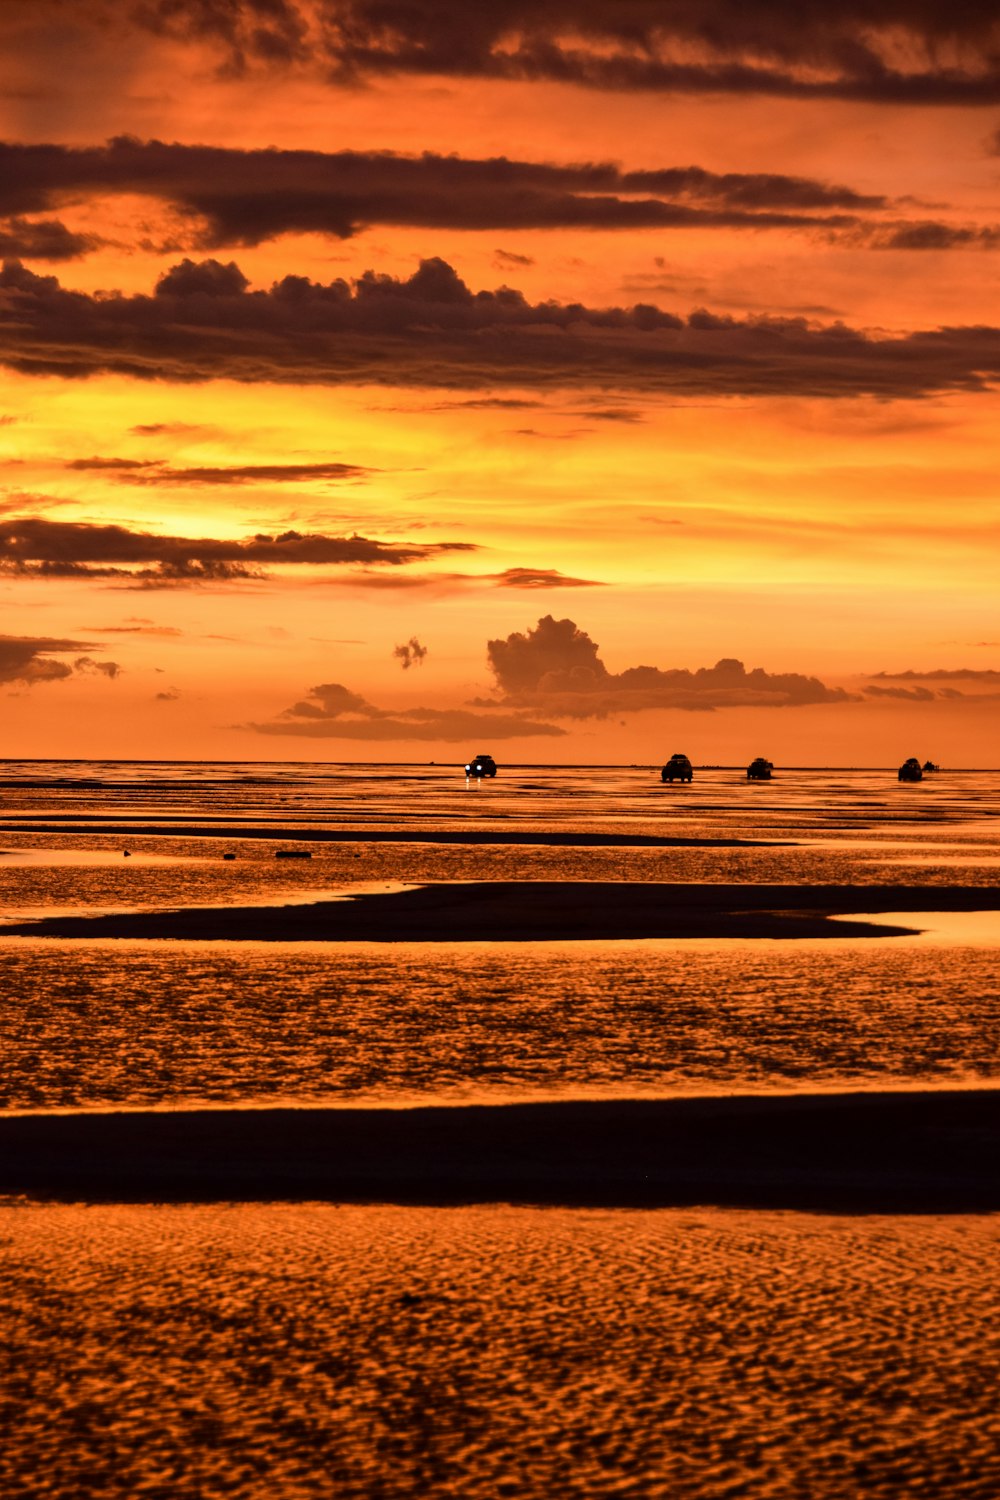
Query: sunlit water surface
x=100, y=1023
x=277, y=1350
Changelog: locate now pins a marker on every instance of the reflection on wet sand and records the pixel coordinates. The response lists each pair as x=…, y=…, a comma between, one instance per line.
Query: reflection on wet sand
x=663, y=1051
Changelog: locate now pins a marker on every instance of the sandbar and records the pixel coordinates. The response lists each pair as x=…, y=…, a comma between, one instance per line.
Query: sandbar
x=232, y=828
x=926, y=1152
x=538, y=911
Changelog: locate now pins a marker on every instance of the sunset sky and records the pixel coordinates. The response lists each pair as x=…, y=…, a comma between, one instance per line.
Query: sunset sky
x=578, y=381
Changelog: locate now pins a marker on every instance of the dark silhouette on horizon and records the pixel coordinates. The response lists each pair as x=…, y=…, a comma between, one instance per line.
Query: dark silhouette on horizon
x=760, y=769
x=481, y=765
x=677, y=768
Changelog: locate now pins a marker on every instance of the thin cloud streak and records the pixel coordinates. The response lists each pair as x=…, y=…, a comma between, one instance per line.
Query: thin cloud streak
x=34, y=547
x=158, y=471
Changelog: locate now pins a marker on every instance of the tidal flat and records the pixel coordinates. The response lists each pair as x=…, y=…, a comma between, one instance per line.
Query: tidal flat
x=564, y=1134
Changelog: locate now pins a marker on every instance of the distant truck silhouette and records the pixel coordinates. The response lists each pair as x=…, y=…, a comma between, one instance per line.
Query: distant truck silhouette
x=910, y=770
x=677, y=768
x=481, y=765
x=760, y=769
x=930, y=766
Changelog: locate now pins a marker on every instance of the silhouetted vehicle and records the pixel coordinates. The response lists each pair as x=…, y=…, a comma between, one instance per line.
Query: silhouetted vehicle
x=481, y=765
x=930, y=766
x=760, y=769
x=677, y=768
x=910, y=770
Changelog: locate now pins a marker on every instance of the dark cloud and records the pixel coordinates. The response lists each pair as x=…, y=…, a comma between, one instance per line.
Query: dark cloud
x=164, y=429
x=32, y=659
x=448, y=583
x=332, y=711
x=541, y=578
x=158, y=471
x=169, y=697
x=479, y=403
x=879, y=51
x=431, y=330
x=914, y=694
x=410, y=654
x=230, y=197
x=922, y=235
x=112, y=464
x=102, y=668
x=507, y=258
x=555, y=667
x=942, y=674
x=42, y=239
x=138, y=626
x=33, y=547
x=625, y=414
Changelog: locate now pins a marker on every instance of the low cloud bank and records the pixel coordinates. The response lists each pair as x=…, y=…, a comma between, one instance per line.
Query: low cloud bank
x=33, y=547
x=332, y=711
x=552, y=670
x=432, y=330
x=556, y=666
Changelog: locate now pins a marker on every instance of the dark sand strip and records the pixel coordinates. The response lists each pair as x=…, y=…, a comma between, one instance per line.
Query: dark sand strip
x=538, y=911
x=231, y=828
x=913, y=1153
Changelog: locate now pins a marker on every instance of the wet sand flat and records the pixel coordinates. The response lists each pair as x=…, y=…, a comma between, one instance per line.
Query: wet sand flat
x=859, y=1152
x=234, y=827
x=538, y=911
x=310, y=1350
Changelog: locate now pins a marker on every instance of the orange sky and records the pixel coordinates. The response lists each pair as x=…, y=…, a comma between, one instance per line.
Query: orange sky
x=222, y=489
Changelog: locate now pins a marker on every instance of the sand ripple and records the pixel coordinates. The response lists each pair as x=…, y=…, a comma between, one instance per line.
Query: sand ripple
x=299, y=1351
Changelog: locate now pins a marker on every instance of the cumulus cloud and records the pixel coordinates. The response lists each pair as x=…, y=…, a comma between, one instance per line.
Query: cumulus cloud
x=876, y=51
x=332, y=711
x=555, y=666
x=34, y=659
x=410, y=654
x=432, y=330
x=34, y=547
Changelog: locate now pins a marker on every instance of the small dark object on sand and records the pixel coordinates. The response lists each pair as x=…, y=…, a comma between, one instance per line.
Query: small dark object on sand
x=293, y=854
x=229, y=856
x=126, y=854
